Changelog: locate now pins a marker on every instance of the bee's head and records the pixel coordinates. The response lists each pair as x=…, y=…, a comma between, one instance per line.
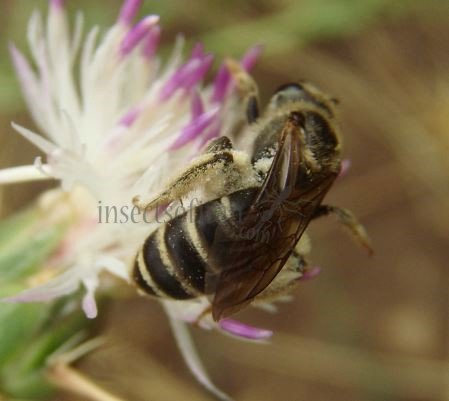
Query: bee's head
x=320, y=132
x=305, y=92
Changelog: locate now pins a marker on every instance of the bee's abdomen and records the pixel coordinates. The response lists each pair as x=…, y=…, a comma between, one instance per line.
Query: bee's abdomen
x=169, y=264
x=184, y=253
x=173, y=261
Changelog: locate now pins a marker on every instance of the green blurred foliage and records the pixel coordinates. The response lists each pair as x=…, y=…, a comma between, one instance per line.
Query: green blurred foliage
x=30, y=332
x=23, y=248
x=228, y=28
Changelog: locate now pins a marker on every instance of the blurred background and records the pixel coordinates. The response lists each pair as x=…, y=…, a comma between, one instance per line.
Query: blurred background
x=366, y=329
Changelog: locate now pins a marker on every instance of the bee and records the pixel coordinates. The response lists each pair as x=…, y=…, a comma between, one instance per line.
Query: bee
x=247, y=242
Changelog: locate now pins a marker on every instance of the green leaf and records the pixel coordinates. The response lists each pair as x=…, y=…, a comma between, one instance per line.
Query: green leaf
x=20, y=323
x=15, y=224
x=33, y=386
x=297, y=23
x=26, y=241
x=41, y=329
x=30, y=332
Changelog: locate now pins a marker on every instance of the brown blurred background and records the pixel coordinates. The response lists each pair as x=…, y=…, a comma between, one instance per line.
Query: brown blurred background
x=367, y=328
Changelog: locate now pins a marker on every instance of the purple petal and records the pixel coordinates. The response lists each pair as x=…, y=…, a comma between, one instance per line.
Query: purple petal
x=89, y=305
x=197, y=75
x=220, y=84
x=198, y=51
x=152, y=42
x=223, y=78
x=345, y=166
x=251, y=56
x=193, y=129
x=310, y=273
x=128, y=119
x=129, y=11
x=176, y=80
x=197, y=107
x=57, y=4
x=239, y=329
x=186, y=76
x=137, y=33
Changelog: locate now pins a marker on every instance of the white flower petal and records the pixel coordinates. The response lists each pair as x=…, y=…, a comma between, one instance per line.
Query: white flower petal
x=61, y=285
x=29, y=84
x=35, y=33
x=191, y=358
x=37, y=140
x=113, y=266
x=87, y=55
x=20, y=174
x=57, y=35
x=77, y=36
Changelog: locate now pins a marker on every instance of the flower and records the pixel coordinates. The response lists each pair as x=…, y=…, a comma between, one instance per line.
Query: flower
x=113, y=126
x=129, y=122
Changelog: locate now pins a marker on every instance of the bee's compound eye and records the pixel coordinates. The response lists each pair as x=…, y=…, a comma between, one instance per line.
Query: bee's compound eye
x=288, y=93
x=290, y=87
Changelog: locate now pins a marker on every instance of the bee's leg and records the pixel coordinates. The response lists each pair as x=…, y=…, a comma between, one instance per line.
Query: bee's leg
x=247, y=88
x=303, y=246
x=216, y=160
x=293, y=270
x=346, y=218
x=297, y=259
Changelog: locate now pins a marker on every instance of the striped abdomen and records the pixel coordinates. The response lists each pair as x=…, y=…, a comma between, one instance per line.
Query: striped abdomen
x=173, y=261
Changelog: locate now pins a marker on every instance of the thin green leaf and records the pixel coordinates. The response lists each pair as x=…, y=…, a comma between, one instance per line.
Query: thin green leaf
x=20, y=323
x=25, y=243
x=25, y=373
x=16, y=224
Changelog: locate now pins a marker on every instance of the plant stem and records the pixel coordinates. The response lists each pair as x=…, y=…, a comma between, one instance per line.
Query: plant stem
x=67, y=378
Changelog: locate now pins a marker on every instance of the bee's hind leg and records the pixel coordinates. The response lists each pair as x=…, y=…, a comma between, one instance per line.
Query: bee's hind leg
x=348, y=220
x=247, y=88
x=215, y=159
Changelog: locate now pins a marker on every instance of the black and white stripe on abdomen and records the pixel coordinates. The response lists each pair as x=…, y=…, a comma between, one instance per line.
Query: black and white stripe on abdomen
x=152, y=273
x=172, y=261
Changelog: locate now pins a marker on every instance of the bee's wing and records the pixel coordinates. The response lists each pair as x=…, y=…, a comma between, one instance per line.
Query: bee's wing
x=249, y=253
